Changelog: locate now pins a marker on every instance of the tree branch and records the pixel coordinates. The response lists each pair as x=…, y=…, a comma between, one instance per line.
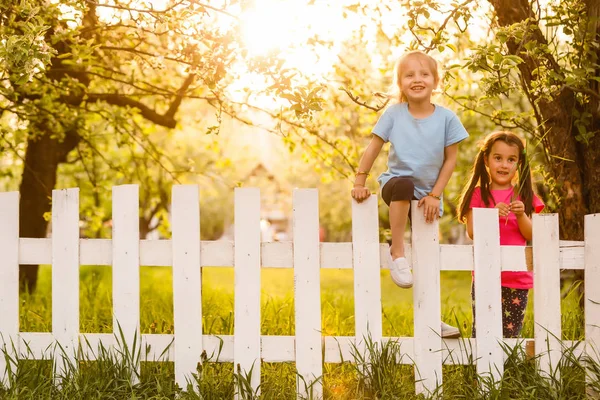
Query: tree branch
x=180, y=95
x=144, y=53
x=139, y=10
x=433, y=43
x=120, y=100
x=311, y=132
x=364, y=104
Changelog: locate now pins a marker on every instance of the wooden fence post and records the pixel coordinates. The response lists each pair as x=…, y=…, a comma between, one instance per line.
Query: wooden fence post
x=187, y=285
x=9, y=283
x=488, y=292
x=592, y=277
x=65, y=279
x=307, y=292
x=426, y=296
x=126, y=274
x=246, y=348
x=546, y=291
x=367, y=282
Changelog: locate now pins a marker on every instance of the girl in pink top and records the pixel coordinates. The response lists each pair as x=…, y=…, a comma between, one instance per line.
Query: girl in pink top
x=501, y=158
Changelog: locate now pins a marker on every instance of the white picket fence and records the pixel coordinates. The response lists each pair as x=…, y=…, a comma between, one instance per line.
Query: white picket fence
x=186, y=253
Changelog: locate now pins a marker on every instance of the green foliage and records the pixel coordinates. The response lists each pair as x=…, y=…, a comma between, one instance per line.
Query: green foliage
x=106, y=81
x=146, y=93
x=23, y=50
x=533, y=71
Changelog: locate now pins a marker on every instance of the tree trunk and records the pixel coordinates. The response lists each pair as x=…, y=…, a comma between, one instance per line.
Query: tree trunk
x=576, y=174
x=592, y=155
x=42, y=157
x=45, y=152
x=574, y=170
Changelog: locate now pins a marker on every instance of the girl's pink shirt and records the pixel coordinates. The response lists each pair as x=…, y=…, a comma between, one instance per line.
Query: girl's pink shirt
x=510, y=235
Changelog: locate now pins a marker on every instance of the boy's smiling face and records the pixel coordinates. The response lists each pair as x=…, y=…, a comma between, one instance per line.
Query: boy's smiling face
x=417, y=80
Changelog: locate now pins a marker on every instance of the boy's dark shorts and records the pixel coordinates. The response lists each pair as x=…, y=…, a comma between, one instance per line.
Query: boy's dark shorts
x=398, y=189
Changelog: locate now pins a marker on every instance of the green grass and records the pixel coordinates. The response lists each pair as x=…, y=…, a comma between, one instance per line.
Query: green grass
x=383, y=379
x=156, y=301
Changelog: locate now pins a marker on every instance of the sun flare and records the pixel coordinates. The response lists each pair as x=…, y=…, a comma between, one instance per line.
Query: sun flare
x=287, y=27
x=264, y=30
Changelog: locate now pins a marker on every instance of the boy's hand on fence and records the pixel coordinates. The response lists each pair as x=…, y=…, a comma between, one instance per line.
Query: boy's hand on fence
x=360, y=193
x=431, y=208
x=518, y=208
x=503, y=209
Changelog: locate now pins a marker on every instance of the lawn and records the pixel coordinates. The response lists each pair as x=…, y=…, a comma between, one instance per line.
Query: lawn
x=156, y=299
x=278, y=379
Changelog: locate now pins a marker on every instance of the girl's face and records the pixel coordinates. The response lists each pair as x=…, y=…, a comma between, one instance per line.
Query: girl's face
x=502, y=164
x=417, y=80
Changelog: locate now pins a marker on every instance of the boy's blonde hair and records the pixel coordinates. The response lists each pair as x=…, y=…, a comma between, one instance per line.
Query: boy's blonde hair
x=423, y=57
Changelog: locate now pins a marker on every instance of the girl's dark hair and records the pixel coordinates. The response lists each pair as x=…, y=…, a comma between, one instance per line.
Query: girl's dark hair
x=479, y=175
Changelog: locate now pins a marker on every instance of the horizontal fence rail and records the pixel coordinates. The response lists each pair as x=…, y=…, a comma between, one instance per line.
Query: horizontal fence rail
x=186, y=253
x=219, y=253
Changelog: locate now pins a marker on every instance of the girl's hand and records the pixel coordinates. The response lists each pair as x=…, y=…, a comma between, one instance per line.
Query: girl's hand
x=518, y=208
x=431, y=208
x=360, y=193
x=503, y=209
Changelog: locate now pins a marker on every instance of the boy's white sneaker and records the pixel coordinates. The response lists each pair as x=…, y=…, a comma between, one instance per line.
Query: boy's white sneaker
x=449, y=331
x=401, y=272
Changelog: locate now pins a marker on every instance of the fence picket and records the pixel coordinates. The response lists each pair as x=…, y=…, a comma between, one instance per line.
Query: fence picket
x=426, y=297
x=488, y=292
x=247, y=284
x=546, y=290
x=187, y=304
x=367, y=282
x=65, y=274
x=307, y=292
x=592, y=277
x=126, y=273
x=9, y=282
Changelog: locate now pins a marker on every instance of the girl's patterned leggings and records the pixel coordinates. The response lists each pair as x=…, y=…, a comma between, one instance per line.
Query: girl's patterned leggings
x=514, y=302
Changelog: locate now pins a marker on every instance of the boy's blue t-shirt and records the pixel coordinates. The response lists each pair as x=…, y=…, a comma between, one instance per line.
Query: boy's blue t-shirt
x=417, y=145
